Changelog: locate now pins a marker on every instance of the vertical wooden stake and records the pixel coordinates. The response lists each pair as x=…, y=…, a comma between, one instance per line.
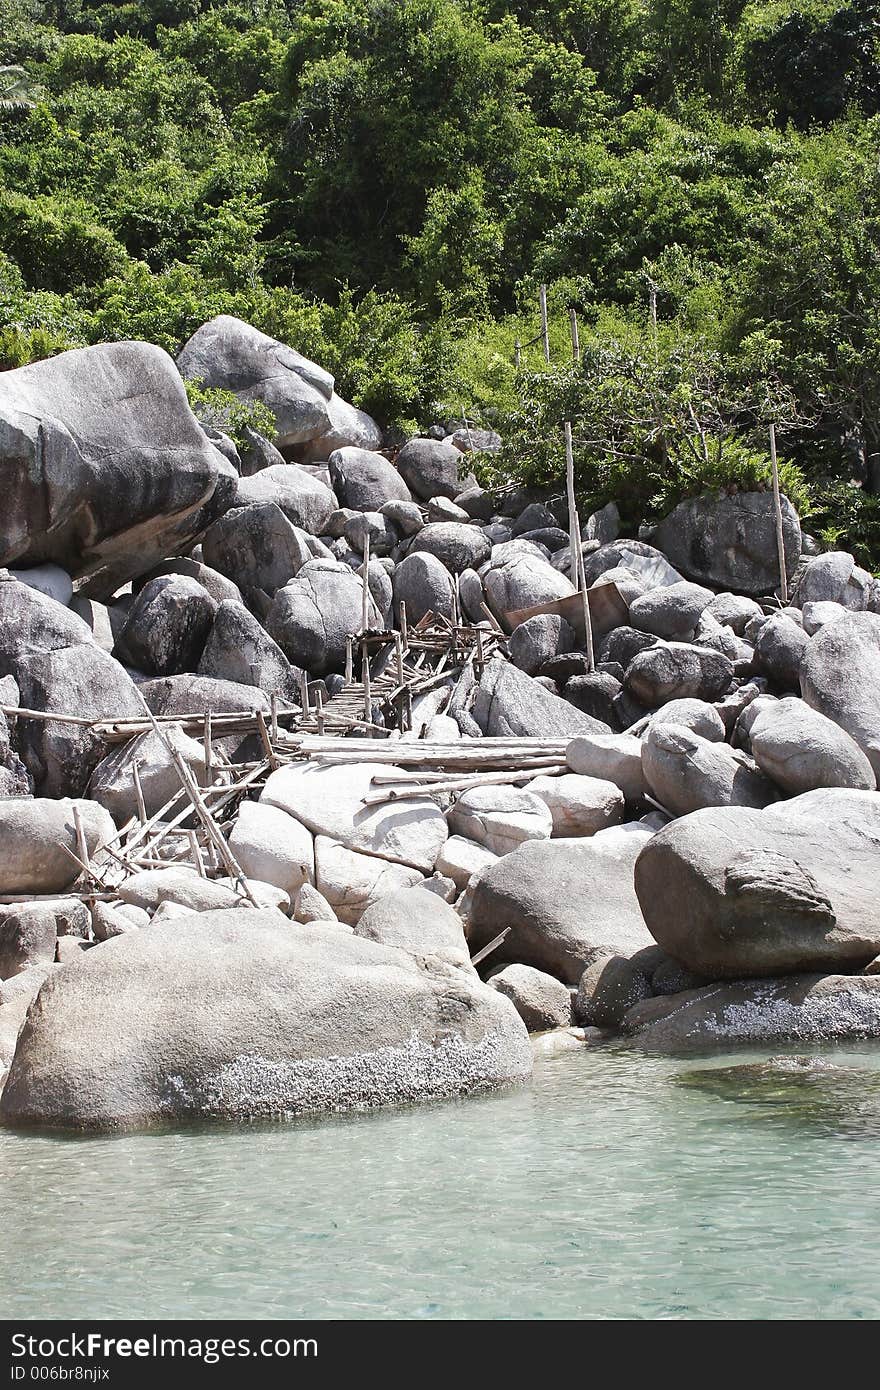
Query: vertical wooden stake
x=209, y=751
x=139, y=793
x=517, y=354
x=575, y=336
x=545, y=330
x=588, y=625
x=574, y=539
x=654, y=333
x=404, y=630
x=398, y=652
x=319, y=707
x=365, y=605
x=304, y=694
x=365, y=677
x=273, y=705
x=777, y=507
x=348, y=660
x=82, y=845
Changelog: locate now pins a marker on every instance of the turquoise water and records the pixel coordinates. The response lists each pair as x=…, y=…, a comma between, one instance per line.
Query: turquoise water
x=613, y=1186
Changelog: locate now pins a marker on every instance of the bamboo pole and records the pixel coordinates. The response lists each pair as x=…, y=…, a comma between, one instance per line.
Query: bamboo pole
x=209, y=750
x=777, y=508
x=588, y=623
x=574, y=540
x=139, y=792
x=545, y=330
x=365, y=600
x=575, y=336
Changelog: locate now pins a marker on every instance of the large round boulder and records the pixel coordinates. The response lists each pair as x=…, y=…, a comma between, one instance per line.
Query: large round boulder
x=735, y=892
x=106, y=470
x=304, y=499
x=730, y=542
x=237, y=1015
x=432, y=468
x=840, y=677
x=366, y=480
x=229, y=353
x=311, y=617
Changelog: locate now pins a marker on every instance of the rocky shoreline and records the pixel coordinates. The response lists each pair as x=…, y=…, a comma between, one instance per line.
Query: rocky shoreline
x=676, y=843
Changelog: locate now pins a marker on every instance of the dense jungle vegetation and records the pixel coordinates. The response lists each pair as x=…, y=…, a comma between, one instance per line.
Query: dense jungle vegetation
x=384, y=184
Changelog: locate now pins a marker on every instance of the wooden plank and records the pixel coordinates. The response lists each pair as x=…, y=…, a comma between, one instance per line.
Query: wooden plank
x=608, y=609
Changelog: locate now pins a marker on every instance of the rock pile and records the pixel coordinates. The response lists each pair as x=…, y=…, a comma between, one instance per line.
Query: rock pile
x=678, y=842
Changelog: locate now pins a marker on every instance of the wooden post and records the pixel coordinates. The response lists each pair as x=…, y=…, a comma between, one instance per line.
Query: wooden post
x=365, y=677
x=209, y=751
x=139, y=792
x=574, y=539
x=365, y=603
x=545, y=330
x=777, y=507
x=83, y=847
x=348, y=660
x=575, y=337
x=517, y=354
x=398, y=652
x=319, y=707
x=653, y=312
x=273, y=705
x=404, y=630
x=588, y=626
x=304, y=694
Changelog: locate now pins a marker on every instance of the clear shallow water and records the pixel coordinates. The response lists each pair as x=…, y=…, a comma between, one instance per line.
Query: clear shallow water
x=614, y=1186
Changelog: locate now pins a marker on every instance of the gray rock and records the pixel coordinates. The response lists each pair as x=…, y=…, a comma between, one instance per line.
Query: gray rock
x=382, y=533
x=734, y=611
x=501, y=818
x=167, y=627
x=814, y=1008
x=595, y=694
x=351, y=881
x=644, y=561
x=304, y=500
x=779, y=650
x=539, y=639
x=518, y=579
x=350, y=428
x=471, y=596
x=840, y=677
x=535, y=517
x=579, y=805
x=312, y=906
x=113, y=785
x=610, y=757
x=366, y=480
x=734, y=892
x=218, y=585
x=106, y=467
x=444, y=509
x=458, y=547
x=419, y=922
x=56, y=665
x=602, y=526
x=623, y=643
x=672, y=610
x=180, y=886
x=460, y=858
x=835, y=578
x=311, y=617
x=685, y=772
x=273, y=847
x=677, y=671
x=541, y=1000
x=730, y=542
x=50, y=580
x=229, y=353
x=424, y=584
x=257, y=453
x=509, y=703
x=818, y=613
x=240, y=649
x=433, y=469
x=27, y=937
x=611, y=986
x=32, y=833
x=406, y=516
x=238, y=1016
x=697, y=715
x=260, y=547
x=566, y=902
x=329, y=800
x=800, y=749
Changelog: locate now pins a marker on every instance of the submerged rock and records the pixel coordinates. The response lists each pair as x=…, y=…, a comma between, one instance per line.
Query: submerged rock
x=810, y=1008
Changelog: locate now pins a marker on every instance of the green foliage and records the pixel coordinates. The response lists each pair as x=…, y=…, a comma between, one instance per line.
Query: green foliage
x=222, y=410
x=386, y=183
